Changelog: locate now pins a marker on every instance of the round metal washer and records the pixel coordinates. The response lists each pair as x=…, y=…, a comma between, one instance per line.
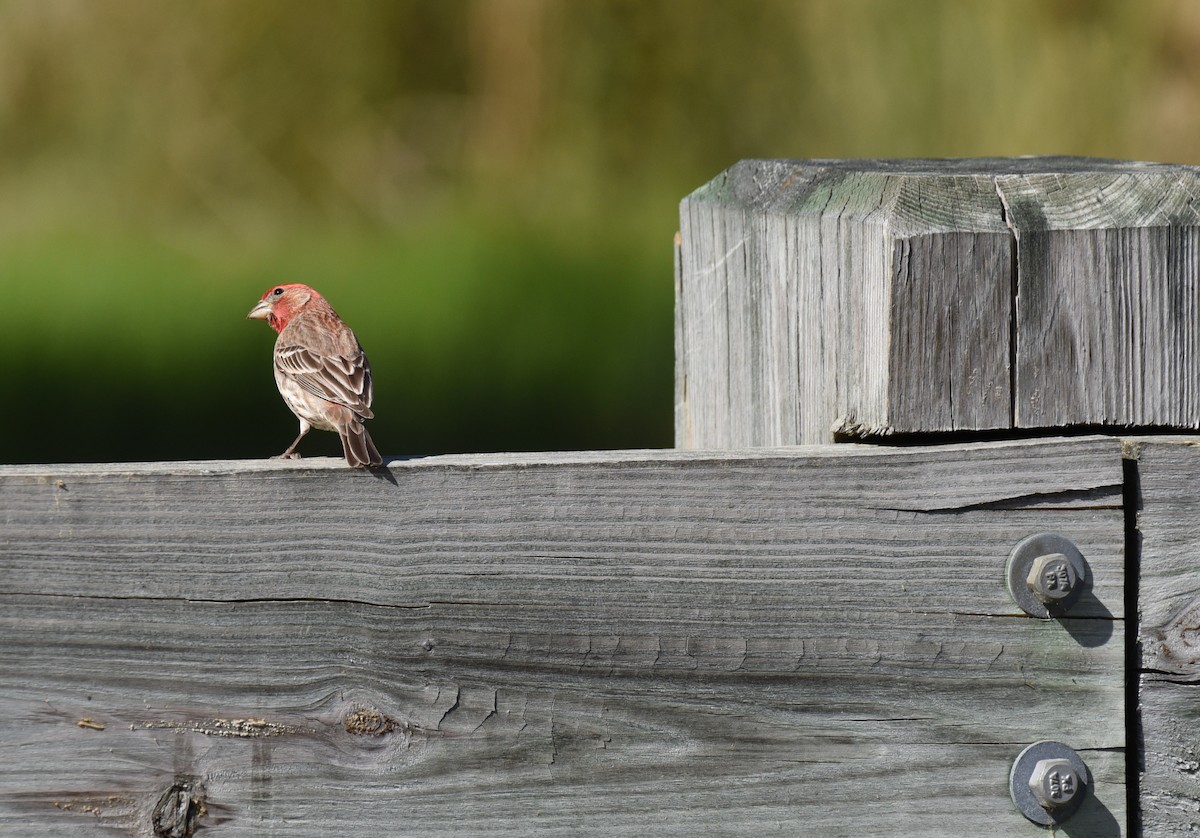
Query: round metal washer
x=1022, y=770
x=1021, y=559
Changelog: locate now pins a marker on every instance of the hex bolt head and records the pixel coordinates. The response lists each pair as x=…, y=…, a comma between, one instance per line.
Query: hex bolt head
x=1046, y=574
x=1051, y=578
x=1048, y=783
x=1054, y=783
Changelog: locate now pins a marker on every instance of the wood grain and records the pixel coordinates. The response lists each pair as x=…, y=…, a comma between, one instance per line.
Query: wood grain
x=1108, y=297
x=810, y=641
x=814, y=299
x=1169, y=633
x=827, y=298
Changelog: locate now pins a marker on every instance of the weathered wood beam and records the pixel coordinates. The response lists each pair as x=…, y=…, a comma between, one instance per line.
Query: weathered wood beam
x=812, y=641
x=1168, y=637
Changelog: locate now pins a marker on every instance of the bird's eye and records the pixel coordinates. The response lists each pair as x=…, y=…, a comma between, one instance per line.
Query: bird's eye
x=277, y=291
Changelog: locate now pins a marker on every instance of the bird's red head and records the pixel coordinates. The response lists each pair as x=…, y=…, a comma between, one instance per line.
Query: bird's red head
x=282, y=302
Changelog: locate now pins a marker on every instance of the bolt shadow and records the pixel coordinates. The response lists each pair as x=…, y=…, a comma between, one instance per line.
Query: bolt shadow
x=1092, y=819
x=1092, y=630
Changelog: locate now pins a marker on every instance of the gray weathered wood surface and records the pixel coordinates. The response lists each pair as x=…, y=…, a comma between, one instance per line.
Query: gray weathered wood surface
x=1169, y=634
x=1108, y=300
x=794, y=642
x=868, y=297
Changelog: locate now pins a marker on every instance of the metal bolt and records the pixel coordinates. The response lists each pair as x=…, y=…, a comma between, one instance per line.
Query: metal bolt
x=1054, y=783
x=1051, y=578
x=1046, y=574
x=1048, y=783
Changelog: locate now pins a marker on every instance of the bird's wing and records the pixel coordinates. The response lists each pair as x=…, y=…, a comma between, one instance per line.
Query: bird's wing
x=341, y=377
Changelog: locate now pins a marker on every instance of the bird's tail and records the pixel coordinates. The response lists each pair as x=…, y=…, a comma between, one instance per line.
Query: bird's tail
x=357, y=445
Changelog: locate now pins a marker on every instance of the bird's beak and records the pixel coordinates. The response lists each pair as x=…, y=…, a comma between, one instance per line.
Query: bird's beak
x=261, y=311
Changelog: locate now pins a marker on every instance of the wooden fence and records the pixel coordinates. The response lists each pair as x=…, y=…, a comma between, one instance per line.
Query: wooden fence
x=805, y=640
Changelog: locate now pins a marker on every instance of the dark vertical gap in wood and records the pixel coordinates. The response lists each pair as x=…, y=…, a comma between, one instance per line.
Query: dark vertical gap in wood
x=679, y=414
x=1135, y=753
x=1014, y=285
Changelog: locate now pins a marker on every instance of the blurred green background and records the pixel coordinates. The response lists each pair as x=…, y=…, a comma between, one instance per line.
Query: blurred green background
x=487, y=190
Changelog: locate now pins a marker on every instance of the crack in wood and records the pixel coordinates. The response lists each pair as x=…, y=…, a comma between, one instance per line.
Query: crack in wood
x=451, y=708
x=228, y=601
x=1097, y=498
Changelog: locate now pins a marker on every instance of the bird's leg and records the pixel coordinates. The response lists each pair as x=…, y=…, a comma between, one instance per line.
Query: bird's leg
x=290, y=453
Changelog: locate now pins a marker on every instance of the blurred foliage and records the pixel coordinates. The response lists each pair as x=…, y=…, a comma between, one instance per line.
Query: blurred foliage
x=486, y=189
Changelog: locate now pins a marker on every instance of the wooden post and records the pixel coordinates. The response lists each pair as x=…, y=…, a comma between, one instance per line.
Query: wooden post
x=1168, y=645
x=823, y=299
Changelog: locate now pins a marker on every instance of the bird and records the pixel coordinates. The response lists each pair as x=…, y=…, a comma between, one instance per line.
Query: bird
x=320, y=369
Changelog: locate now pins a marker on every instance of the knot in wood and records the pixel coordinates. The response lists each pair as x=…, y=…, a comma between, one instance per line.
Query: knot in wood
x=1179, y=640
x=368, y=722
x=178, y=809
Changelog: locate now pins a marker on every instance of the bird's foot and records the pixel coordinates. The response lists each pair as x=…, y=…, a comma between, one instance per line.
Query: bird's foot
x=287, y=455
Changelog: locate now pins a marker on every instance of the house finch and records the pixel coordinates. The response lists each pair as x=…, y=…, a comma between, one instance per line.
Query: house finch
x=320, y=369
